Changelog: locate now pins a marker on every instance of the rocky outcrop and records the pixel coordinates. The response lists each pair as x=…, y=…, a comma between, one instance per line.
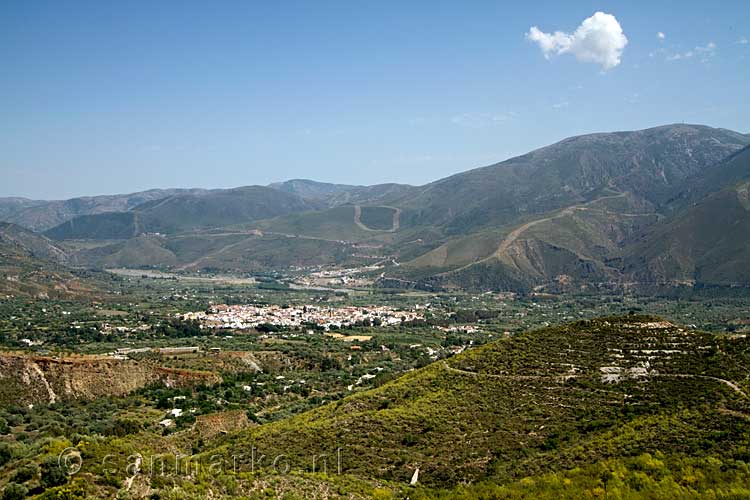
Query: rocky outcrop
x=214, y=424
x=28, y=379
x=174, y=377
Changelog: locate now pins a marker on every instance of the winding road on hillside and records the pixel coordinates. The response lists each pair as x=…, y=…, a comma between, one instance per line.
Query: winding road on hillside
x=252, y=235
x=508, y=377
x=212, y=254
x=396, y=224
x=513, y=236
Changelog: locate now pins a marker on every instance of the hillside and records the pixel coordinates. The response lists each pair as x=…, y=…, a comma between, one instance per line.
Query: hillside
x=703, y=242
x=649, y=163
x=12, y=205
x=17, y=240
x=568, y=249
x=142, y=251
x=625, y=407
x=181, y=212
x=47, y=380
x=237, y=251
x=546, y=401
x=706, y=245
x=556, y=218
x=42, y=215
x=105, y=226
x=340, y=194
x=32, y=265
x=730, y=171
x=313, y=190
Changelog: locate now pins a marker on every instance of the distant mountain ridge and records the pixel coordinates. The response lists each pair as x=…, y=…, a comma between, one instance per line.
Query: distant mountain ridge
x=340, y=194
x=41, y=215
x=648, y=162
x=596, y=210
x=184, y=211
x=305, y=188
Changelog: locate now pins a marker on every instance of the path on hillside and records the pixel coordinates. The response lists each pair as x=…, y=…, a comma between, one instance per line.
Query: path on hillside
x=307, y=237
x=259, y=233
x=395, y=225
x=513, y=236
x=728, y=383
x=507, y=377
x=252, y=236
x=212, y=254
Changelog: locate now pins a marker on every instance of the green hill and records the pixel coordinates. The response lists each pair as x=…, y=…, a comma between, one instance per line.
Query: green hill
x=626, y=407
x=546, y=402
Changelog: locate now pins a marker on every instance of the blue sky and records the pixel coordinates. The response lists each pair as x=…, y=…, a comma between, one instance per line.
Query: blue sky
x=111, y=97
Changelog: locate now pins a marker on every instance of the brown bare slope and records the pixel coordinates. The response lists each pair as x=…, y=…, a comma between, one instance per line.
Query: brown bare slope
x=40, y=379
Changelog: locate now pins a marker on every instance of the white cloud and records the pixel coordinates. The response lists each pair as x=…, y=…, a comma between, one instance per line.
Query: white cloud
x=743, y=41
x=560, y=105
x=599, y=39
x=681, y=55
x=710, y=47
x=704, y=53
x=481, y=120
x=660, y=35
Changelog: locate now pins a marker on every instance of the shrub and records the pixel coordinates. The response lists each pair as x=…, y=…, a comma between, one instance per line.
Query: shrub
x=5, y=454
x=25, y=473
x=52, y=473
x=73, y=491
x=14, y=491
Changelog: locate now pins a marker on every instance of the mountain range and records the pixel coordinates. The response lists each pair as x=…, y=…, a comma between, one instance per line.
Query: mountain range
x=663, y=206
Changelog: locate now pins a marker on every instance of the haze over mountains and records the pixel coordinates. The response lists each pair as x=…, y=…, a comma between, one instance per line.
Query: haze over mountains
x=667, y=205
